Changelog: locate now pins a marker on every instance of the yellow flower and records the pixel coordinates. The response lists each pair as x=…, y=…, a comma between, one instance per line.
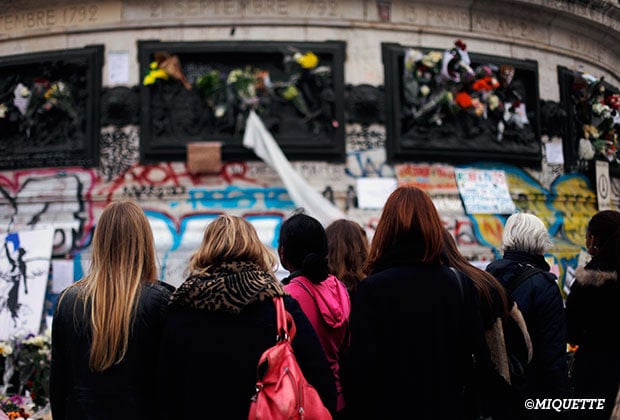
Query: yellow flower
x=153, y=75
x=149, y=79
x=160, y=74
x=153, y=65
x=290, y=93
x=308, y=61
x=51, y=91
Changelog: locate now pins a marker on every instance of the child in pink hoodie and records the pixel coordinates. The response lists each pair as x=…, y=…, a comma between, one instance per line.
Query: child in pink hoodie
x=323, y=298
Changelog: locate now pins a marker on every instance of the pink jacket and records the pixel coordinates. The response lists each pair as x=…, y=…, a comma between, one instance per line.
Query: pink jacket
x=327, y=306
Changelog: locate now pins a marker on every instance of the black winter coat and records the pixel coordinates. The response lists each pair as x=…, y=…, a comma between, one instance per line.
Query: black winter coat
x=413, y=333
x=126, y=390
x=592, y=314
x=540, y=302
x=210, y=359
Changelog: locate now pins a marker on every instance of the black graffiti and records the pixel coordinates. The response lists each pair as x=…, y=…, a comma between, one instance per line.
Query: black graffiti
x=365, y=139
x=47, y=206
x=154, y=191
x=119, y=151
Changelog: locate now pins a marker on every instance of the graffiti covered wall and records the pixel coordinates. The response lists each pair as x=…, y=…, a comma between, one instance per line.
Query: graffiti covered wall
x=180, y=204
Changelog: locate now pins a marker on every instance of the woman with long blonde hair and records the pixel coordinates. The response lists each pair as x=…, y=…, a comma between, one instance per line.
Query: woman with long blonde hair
x=106, y=327
x=221, y=320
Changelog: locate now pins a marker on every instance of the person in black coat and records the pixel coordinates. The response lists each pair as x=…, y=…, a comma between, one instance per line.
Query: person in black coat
x=506, y=336
x=525, y=240
x=592, y=308
x=106, y=327
x=414, y=324
x=221, y=320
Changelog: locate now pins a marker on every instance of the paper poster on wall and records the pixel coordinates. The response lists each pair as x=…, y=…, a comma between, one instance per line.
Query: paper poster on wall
x=555, y=153
x=603, y=185
x=484, y=191
x=372, y=193
x=435, y=179
x=118, y=67
x=24, y=270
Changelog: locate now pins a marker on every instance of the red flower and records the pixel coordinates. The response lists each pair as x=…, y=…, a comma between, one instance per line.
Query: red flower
x=613, y=101
x=486, y=83
x=463, y=100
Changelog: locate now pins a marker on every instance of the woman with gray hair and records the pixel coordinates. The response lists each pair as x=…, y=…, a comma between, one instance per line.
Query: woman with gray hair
x=525, y=274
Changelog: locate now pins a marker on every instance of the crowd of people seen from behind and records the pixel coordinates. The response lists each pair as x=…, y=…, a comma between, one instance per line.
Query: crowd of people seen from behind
x=399, y=325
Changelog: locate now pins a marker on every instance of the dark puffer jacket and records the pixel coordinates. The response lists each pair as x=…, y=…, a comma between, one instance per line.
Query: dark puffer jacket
x=540, y=302
x=125, y=390
x=592, y=309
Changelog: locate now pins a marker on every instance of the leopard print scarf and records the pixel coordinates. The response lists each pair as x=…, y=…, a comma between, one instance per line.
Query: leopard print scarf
x=228, y=287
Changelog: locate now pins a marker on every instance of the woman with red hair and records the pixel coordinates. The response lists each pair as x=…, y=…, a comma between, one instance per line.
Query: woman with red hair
x=414, y=324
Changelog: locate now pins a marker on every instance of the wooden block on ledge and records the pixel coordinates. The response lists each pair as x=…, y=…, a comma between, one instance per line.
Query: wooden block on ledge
x=204, y=157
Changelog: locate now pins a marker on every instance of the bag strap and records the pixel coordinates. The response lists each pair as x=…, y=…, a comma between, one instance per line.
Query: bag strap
x=284, y=321
x=517, y=281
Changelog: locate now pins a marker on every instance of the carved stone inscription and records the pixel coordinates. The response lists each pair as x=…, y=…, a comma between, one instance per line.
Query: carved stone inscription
x=55, y=17
x=431, y=15
x=250, y=9
x=509, y=26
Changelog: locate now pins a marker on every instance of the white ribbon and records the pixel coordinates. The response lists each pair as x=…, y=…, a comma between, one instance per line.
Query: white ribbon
x=258, y=138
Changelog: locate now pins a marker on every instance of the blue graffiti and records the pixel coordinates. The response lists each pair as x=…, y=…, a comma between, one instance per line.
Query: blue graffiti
x=233, y=197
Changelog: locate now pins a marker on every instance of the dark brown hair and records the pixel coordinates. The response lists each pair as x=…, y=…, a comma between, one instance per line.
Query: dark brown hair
x=409, y=225
x=486, y=285
x=605, y=227
x=347, y=246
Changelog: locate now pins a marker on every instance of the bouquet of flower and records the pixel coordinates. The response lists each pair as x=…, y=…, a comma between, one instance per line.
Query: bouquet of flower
x=26, y=369
x=598, y=112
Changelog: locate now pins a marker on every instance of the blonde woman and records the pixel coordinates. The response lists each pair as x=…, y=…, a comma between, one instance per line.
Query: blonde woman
x=107, y=326
x=220, y=321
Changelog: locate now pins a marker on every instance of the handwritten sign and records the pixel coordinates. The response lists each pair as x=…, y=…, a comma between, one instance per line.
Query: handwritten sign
x=118, y=67
x=432, y=178
x=484, y=191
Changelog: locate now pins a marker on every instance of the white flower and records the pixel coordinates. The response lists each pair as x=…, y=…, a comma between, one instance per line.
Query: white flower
x=37, y=340
x=3, y=110
x=586, y=149
x=425, y=90
x=220, y=110
x=23, y=91
x=233, y=76
x=493, y=102
x=5, y=349
x=601, y=110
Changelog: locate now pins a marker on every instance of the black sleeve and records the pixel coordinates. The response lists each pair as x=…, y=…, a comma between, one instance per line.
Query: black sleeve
x=59, y=388
x=574, y=315
x=311, y=357
x=548, y=333
x=360, y=366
